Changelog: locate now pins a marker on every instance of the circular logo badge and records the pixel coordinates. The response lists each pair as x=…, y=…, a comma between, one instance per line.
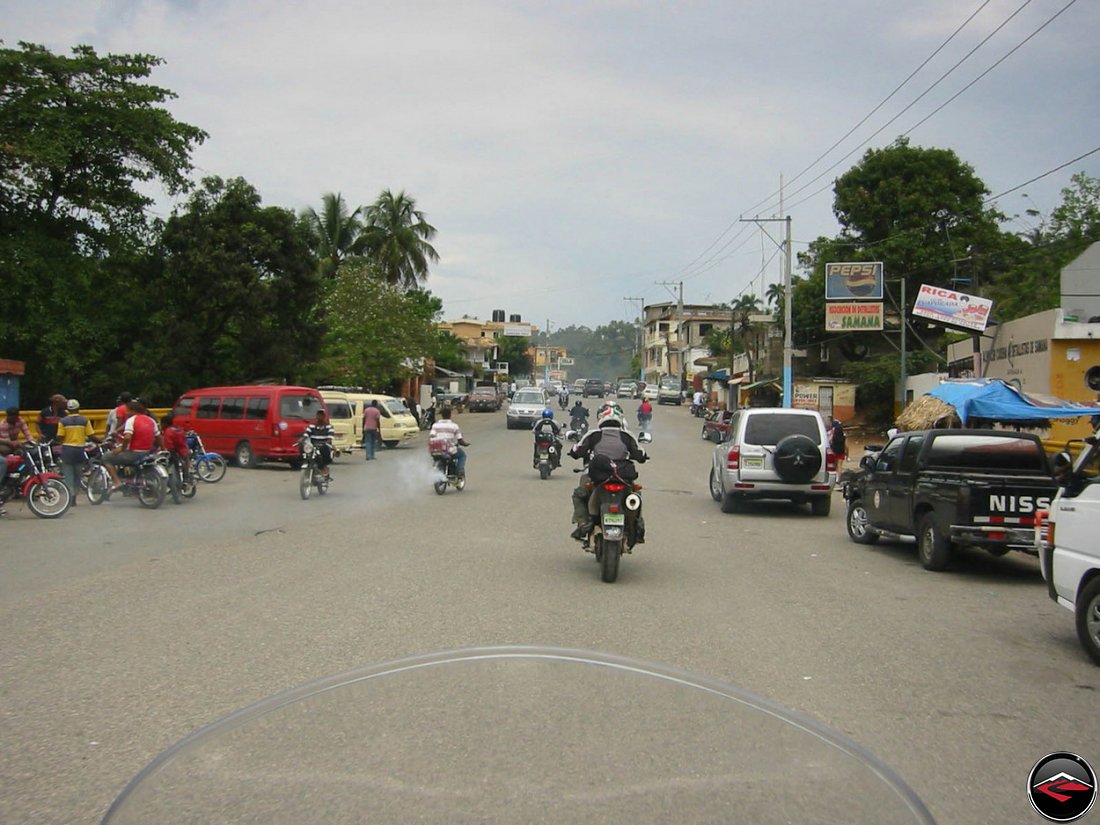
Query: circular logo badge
x=1062, y=787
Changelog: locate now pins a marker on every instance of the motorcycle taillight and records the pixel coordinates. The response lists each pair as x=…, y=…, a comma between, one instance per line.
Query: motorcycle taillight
x=613, y=487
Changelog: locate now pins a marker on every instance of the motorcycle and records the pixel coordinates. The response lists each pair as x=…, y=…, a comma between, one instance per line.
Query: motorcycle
x=618, y=504
x=310, y=475
x=180, y=478
x=365, y=745
x=446, y=469
x=206, y=466
x=428, y=418
x=549, y=455
x=30, y=479
x=699, y=410
x=147, y=479
x=577, y=428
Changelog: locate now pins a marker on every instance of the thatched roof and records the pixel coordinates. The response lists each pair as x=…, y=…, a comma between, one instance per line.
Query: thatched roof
x=926, y=413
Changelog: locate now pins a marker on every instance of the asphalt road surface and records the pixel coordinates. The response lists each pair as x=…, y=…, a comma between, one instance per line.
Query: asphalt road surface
x=127, y=629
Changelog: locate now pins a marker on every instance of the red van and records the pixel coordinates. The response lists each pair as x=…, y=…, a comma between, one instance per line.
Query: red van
x=250, y=423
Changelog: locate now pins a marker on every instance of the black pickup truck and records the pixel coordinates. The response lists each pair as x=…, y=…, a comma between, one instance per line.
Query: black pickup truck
x=949, y=488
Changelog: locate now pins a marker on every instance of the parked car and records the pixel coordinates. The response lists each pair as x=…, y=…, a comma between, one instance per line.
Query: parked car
x=952, y=488
x=526, y=407
x=578, y=386
x=250, y=423
x=483, y=399
x=668, y=391
x=1070, y=553
x=771, y=453
x=716, y=425
x=608, y=388
x=627, y=389
x=593, y=387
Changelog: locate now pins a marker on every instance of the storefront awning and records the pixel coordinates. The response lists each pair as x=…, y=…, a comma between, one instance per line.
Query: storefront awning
x=763, y=383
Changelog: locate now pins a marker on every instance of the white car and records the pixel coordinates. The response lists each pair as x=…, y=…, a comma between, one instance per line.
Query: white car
x=526, y=407
x=650, y=392
x=773, y=453
x=1069, y=553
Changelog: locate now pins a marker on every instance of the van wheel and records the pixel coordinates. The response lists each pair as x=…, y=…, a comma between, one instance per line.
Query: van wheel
x=1088, y=619
x=244, y=456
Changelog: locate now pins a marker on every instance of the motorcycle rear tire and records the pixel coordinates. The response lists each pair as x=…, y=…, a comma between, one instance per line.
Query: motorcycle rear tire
x=50, y=499
x=440, y=487
x=608, y=553
x=151, y=490
x=99, y=483
x=544, y=471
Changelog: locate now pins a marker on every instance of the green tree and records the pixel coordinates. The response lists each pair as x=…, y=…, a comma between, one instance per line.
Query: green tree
x=396, y=238
x=377, y=332
x=335, y=234
x=513, y=350
x=235, y=298
x=774, y=294
x=448, y=352
x=81, y=139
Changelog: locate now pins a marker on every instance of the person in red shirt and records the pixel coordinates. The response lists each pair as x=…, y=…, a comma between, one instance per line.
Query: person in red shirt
x=117, y=417
x=372, y=418
x=174, y=440
x=140, y=434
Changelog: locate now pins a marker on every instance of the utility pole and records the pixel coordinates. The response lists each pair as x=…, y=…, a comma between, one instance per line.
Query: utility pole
x=679, y=326
x=638, y=334
x=546, y=365
x=788, y=349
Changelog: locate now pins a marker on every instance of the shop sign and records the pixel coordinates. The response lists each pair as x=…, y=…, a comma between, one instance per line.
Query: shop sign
x=956, y=309
x=853, y=316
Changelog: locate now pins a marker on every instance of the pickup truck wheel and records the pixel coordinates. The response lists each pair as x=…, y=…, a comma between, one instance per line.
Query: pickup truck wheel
x=933, y=546
x=1088, y=619
x=859, y=526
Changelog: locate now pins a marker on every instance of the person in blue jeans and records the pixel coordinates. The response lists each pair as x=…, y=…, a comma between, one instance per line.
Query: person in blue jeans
x=372, y=418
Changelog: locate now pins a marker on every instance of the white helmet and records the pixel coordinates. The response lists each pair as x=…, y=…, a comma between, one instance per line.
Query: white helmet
x=610, y=415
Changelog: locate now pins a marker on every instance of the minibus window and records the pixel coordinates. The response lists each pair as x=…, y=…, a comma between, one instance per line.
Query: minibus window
x=184, y=406
x=208, y=408
x=299, y=406
x=233, y=408
x=257, y=408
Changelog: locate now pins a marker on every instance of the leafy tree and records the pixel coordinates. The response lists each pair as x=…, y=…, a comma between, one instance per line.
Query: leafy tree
x=514, y=350
x=81, y=137
x=774, y=294
x=377, y=331
x=449, y=352
x=396, y=239
x=334, y=233
x=235, y=295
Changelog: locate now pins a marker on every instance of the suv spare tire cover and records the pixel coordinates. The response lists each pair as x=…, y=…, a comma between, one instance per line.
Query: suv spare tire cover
x=797, y=459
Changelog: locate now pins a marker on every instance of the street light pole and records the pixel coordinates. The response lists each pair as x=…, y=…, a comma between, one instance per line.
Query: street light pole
x=788, y=349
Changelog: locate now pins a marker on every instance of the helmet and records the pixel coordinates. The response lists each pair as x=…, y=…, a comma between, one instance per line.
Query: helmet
x=577, y=403
x=610, y=415
x=548, y=413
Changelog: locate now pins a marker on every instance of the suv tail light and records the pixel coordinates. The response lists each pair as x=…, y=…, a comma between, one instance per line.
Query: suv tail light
x=733, y=458
x=830, y=461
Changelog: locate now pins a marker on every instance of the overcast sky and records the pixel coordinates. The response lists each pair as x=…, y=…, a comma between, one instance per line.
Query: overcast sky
x=572, y=154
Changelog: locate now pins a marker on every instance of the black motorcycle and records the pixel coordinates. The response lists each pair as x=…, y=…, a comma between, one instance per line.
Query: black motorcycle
x=446, y=468
x=548, y=450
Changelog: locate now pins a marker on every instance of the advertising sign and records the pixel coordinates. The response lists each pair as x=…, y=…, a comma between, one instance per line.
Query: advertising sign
x=953, y=308
x=853, y=316
x=853, y=281
x=517, y=330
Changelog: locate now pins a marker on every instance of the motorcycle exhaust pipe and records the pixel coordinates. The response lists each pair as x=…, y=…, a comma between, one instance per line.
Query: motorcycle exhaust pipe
x=633, y=501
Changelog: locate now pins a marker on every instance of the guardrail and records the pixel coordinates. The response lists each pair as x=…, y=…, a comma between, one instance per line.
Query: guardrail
x=97, y=417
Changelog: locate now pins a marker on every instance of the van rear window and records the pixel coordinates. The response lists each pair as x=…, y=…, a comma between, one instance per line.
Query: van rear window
x=233, y=408
x=257, y=409
x=299, y=406
x=986, y=452
x=208, y=408
x=771, y=429
x=184, y=406
x=338, y=409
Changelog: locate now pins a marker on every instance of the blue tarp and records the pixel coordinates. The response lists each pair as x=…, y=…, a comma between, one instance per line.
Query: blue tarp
x=993, y=399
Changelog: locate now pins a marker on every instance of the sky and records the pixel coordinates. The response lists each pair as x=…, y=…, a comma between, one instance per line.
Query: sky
x=576, y=156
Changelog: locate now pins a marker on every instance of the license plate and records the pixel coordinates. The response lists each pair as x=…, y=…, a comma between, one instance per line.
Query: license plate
x=544, y=456
x=753, y=463
x=614, y=518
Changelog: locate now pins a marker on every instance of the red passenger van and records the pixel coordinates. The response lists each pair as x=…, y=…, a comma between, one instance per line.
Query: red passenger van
x=250, y=423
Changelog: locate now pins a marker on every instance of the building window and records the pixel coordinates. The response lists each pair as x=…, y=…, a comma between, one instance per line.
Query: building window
x=824, y=357
x=704, y=329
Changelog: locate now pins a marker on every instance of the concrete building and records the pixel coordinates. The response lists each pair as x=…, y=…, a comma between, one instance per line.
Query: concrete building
x=1055, y=352
x=672, y=341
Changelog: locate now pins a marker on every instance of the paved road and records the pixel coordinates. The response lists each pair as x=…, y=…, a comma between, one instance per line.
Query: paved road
x=124, y=629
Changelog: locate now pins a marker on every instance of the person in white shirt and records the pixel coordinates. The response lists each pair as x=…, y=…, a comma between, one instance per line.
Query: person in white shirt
x=446, y=430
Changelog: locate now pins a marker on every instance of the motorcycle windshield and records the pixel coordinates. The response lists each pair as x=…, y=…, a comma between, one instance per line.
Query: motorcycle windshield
x=517, y=734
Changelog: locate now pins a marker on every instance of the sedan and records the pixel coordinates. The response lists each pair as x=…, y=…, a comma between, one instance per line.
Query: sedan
x=484, y=399
x=650, y=392
x=716, y=425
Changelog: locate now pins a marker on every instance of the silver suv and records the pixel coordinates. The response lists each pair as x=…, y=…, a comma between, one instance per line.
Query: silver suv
x=774, y=453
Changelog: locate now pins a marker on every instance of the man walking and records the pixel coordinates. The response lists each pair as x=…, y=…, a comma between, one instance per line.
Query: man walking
x=372, y=418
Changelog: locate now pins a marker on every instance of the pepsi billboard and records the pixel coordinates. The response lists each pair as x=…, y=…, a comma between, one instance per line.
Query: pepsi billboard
x=853, y=281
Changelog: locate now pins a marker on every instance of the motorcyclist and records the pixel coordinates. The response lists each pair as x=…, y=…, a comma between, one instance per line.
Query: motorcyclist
x=321, y=433
x=611, y=440
x=645, y=415
x=563, y=397
x=447, y=431
x=578, y=413
x=547, y=426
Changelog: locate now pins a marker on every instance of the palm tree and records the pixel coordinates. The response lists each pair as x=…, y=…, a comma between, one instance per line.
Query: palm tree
x=742, y=309
x=334, y=233
x=774, y=294
x=395, y=238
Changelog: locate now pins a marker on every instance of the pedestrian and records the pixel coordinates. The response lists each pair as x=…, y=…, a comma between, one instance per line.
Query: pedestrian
x=74, y=431
x=117, y=416
x=13, y=429
x=372, y=418
x=838, y=443
x=48, y=418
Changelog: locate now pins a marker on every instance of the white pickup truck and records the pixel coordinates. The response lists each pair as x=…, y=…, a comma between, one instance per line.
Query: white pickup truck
x=1069, y=541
